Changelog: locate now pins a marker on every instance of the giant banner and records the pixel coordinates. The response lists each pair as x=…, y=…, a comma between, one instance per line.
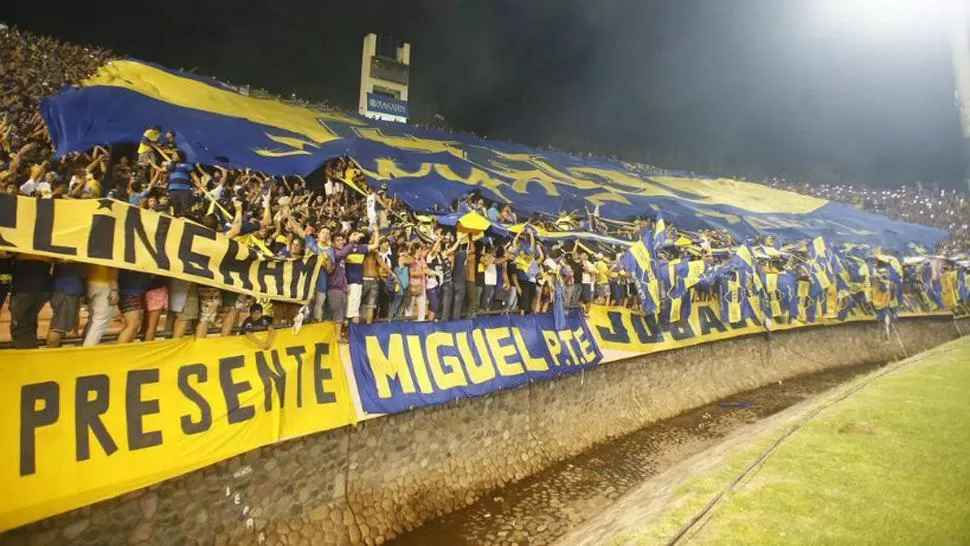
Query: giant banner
x=620, y=329
x=399, y=366
x=216, y=125
x=116, y=234
x=82, y=425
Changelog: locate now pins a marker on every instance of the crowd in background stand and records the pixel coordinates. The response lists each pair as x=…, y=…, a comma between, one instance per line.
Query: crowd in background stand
x=382, y=261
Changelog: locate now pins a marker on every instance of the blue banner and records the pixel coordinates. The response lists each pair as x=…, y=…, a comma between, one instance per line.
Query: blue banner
x=382, y=104
x=400, y=365
x=216, y=125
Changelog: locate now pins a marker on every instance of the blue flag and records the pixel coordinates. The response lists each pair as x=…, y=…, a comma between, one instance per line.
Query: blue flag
x=639, y=263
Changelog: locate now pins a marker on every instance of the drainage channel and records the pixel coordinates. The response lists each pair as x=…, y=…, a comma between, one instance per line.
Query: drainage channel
x=543, y=507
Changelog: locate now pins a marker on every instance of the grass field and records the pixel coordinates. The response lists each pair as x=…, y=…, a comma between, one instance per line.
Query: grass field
x=890, y=464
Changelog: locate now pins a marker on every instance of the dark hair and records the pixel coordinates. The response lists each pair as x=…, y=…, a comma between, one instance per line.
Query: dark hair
x=254, y=308
x=210, y=221
x=180, y=156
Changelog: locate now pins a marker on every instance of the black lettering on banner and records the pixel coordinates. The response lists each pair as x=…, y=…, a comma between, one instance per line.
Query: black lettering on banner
x=321, y=374
x=205, y=412
x=647, y=328
x=616, y=332
x=136, y=409
x=271, y=378
x=32, y=419
x=681, y=331
x=101, y=238
x=8, y=210
x=44, y=229
x=193, y=263
x=708, y=320
x=297, y=353
x=87, y=415
x=302, y=269
x=273, y=268
x=231, y=390
x=231, y=264
x=739, y=325
x=134, y=227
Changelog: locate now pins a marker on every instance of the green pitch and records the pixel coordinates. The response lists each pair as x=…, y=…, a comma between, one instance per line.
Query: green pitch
x=890, y=464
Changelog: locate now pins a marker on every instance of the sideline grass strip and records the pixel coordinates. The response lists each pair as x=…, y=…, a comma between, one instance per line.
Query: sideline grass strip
x=889, y=464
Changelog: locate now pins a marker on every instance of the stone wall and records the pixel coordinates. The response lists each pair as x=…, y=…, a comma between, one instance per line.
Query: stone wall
x=369, y=483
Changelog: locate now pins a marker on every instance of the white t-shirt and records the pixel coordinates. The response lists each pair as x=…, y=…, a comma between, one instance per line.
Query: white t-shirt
x=28, y=188
x=434, y=273
x=328, y=187
x=587, y=278
x=372, y=207
x=491, y=275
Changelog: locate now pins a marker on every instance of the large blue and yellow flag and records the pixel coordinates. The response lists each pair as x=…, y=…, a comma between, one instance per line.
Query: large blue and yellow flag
x=639, y=263
x=963, y=288
x=779, y=292
x=932, y=285
x=676, y=280
x=217, y=125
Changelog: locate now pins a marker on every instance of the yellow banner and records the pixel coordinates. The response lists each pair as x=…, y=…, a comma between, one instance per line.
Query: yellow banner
x=619, y=329
x=82, y=425
x=116, y=234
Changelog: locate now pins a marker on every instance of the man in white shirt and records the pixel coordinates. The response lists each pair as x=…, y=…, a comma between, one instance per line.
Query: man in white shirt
x=45, y=185
x=28, y=188
x=328, y=187
x=372, y=210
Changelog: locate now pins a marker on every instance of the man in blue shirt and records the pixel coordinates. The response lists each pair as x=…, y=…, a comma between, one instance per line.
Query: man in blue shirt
x=492, y=213
x=180, y=184
x=319, y=245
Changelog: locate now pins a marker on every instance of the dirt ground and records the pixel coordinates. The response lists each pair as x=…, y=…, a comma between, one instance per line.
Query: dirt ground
x=543, y=508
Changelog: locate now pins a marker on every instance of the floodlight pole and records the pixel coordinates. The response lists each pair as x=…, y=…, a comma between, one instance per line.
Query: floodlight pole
x=960, y=50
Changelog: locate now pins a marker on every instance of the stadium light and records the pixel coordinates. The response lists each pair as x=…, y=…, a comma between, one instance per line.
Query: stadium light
x=907, y=22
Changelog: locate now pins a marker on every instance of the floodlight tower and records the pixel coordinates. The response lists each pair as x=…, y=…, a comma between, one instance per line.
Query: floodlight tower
x=960, y=49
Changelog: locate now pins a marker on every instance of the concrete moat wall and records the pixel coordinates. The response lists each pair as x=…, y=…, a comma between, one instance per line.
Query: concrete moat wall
x=368, y=483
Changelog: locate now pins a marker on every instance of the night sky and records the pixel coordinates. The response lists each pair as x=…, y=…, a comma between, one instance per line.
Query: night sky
x=809, y=88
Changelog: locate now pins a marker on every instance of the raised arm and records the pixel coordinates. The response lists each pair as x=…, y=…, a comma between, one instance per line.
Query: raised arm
x=236, y=227
x=267, y=219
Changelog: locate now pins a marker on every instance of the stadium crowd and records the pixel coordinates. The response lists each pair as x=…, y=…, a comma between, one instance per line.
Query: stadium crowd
x=381, y=260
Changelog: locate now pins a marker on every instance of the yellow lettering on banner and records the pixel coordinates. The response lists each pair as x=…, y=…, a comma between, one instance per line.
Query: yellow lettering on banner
x=567, y=337
x=480, y=370
x=445, y=379
x=416, y=352
x=585, y=345
x=552, y=342
x=82, y=425
x=392, y=365
x=531, y=363
x=412, y=143
x=502, y=352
